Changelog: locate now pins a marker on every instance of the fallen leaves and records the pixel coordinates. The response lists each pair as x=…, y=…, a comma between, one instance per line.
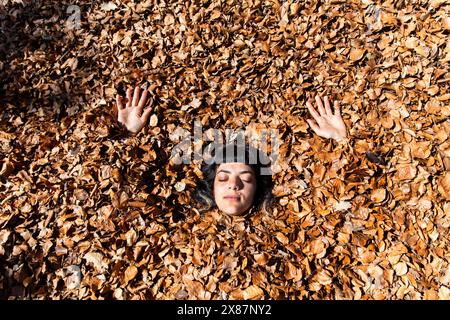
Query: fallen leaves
x=444, y=185
x=89, y=213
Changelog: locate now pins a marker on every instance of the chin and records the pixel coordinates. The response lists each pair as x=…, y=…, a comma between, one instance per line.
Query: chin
x=234, y=212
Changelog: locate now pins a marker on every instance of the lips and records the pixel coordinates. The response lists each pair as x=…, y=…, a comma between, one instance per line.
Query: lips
x=232, y=198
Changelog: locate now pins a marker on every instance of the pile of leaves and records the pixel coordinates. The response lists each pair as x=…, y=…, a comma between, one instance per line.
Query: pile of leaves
x=90, y=213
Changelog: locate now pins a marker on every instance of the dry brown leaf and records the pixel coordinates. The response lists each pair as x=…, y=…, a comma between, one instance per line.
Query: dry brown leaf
x=421, y=149
x=282, y=238
x=401, y=268
x=378, y=195
x=445, y=20
x=253, y=293
x=96, y=259
x=444, y=185
x=406, y=172
x=324, y=277
x=153, y=120
x=356, y=54
x=130, y=274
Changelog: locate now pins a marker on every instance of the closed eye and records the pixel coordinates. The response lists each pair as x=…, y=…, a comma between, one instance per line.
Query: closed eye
x=247, y=178
x=222, y=177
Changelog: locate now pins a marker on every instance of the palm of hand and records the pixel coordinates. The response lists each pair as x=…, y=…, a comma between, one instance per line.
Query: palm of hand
x=132, y=115
x=131, y=119
x=330, y=127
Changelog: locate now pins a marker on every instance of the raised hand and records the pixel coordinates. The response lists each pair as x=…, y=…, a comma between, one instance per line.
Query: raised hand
x=131, y=115
x=327, y=124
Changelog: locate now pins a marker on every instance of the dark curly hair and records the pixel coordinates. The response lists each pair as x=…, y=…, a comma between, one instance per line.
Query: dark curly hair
x=243, y=153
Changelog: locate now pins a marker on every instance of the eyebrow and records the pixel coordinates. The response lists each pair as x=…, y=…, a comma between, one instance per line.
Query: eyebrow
x=240, y=172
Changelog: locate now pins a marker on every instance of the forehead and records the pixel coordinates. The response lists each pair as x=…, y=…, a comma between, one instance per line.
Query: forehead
x=234, y=167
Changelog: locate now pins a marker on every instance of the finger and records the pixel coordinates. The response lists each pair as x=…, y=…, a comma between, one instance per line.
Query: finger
x=136, y=96
x=143, y=100
x=129, y=91
x=320, y=106
x=119, y=102
x=312, y=111
x=327, y=106
x=337, y=109
x=146, y=114
x=313, y=126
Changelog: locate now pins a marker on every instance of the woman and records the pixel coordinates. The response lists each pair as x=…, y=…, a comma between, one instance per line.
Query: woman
x=233, y=185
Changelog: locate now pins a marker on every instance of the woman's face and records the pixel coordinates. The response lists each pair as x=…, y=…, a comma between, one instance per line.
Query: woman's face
x=234, y=187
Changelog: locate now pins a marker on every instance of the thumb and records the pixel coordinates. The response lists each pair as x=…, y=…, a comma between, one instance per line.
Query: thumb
x=146, y=114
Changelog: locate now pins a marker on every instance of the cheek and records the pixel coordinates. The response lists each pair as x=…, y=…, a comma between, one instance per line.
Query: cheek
x=250, y=192
x=217, y=191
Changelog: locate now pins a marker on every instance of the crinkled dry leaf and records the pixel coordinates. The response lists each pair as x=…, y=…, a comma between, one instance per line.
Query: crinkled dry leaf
x=401, y=268
x=130, y=274
x=108, y=6
x=96, y=259
x=378, y=195
x=356, y=54
x=253, y=293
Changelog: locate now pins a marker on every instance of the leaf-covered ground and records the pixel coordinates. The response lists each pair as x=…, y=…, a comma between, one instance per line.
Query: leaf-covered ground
x=87, y=213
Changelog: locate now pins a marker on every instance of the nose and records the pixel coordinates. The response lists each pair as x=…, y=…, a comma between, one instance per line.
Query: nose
x=234, y=183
